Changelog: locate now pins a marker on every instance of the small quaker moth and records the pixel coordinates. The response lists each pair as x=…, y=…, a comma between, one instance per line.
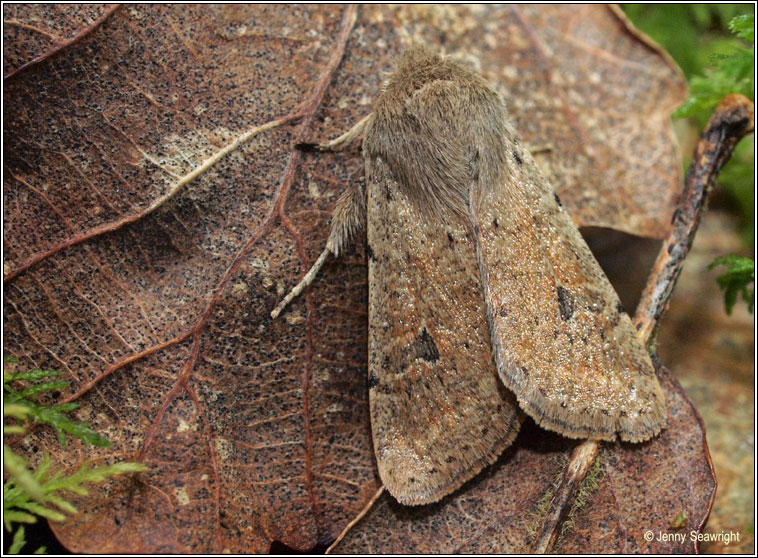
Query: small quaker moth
x=478, y=281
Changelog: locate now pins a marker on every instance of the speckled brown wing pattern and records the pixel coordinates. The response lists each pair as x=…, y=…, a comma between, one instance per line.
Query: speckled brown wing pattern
x=439, y=412
x=563, y=343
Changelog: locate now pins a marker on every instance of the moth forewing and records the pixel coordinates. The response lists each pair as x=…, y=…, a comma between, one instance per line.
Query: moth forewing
x=439, y=412
x=563, y=343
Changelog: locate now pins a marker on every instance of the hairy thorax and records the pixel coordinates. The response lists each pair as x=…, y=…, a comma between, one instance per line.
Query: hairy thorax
x=440, y=129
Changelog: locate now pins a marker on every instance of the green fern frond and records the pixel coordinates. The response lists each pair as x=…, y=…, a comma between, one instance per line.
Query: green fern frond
x=731, y=73
x=744, y=27
x=739, y=275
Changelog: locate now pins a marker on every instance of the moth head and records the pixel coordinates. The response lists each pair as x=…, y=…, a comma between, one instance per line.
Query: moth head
x=440, y=128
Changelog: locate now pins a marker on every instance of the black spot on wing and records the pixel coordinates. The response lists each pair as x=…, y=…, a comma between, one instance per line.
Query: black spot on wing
x=565, y=303
x=518, y=159
x=425, y=348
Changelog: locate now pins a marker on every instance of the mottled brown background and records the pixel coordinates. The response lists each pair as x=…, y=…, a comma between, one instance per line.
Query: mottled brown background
x=98, y=130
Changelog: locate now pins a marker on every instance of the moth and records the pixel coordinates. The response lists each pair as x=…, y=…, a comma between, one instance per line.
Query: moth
x=485, y=303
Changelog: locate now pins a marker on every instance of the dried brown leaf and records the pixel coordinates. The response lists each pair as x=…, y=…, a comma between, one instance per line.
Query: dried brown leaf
x=156, y=211
x=31, y=33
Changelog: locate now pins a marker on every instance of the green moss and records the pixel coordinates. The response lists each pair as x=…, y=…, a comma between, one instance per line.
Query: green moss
x=543, y=504
x=586, y=490
x=29, y=494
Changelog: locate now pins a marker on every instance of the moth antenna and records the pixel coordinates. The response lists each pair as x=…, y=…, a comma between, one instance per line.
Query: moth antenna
x=348, y=137
x=339, y=143
x=304, y=282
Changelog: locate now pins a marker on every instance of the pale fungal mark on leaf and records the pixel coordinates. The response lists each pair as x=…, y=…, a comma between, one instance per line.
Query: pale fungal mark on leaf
x=294, y=318
x=175, y=188
x=463, y=511
x=314, y=190
x=277, y=362
x=628, y=156
x=241, y=288
x=270, y=395
x=181, y=496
